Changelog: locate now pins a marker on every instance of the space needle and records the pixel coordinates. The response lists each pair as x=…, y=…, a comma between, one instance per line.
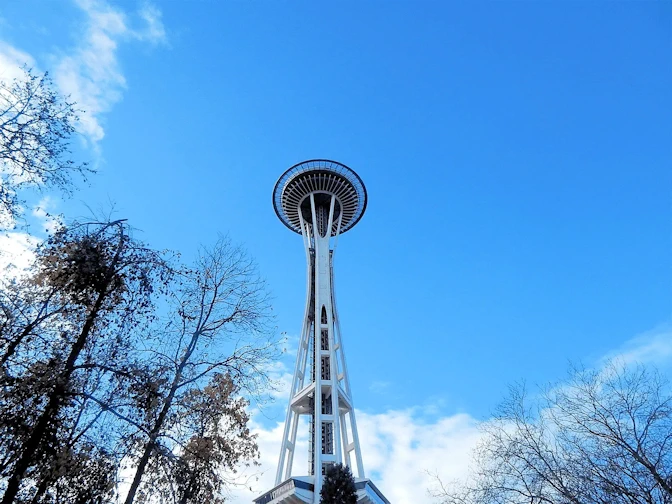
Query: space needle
x=320, y=200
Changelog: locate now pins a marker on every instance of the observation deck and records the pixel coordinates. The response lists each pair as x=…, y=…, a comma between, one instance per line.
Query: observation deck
x=319, y=177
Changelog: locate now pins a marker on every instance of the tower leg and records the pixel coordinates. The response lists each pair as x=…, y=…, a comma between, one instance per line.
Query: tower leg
x=320, y=386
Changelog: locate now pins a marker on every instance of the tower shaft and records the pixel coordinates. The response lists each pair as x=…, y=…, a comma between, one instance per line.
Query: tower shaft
x=320, y=386
x=320, y=200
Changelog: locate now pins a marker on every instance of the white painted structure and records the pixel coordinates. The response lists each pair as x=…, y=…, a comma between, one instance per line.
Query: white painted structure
x=321, y=200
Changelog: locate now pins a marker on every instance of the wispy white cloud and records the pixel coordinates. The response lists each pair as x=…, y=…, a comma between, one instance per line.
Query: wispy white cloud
x=16, y=254
x=154, y=31
x=49, y=222
x=11, y=61
x=17, y=249
x=399, y=447
x=91, y=73
x=651, y=347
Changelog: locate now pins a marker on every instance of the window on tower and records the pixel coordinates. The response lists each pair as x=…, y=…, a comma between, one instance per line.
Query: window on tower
x=326, y=405
x=327, y=438
x=326, y=368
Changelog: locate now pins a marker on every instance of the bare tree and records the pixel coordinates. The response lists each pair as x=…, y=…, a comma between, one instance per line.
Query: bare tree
x=218, y=333
x=600, y=438
x=65, y=334
x=109, y=356
x=214, y=424
x=36, y=125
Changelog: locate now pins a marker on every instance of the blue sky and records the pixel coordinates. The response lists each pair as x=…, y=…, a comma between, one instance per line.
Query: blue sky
x=517, y=157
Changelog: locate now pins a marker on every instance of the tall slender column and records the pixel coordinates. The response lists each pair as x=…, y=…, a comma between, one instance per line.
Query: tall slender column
x=320, y=200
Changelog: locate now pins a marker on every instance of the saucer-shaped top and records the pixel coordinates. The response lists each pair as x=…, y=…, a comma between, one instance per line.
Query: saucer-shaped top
x=319, y=177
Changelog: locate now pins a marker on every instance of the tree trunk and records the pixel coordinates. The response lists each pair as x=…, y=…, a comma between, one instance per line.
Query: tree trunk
x=188, y=491
x=41, y=489
x=55, y=399
x=32, y=445
x=158, y=425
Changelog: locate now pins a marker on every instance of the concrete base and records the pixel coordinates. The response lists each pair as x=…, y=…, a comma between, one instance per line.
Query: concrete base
x=299, y=490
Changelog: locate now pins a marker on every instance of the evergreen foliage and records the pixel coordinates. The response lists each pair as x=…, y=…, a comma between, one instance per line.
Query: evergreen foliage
x=338, y=486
